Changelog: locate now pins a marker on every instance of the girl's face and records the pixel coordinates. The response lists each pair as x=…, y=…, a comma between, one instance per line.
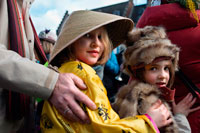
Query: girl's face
x=158, y=73
x=90, y=47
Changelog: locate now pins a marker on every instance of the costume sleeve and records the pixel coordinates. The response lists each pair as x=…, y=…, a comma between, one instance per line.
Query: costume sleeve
x=104, y=119
x=183, y=124
x=25, y=76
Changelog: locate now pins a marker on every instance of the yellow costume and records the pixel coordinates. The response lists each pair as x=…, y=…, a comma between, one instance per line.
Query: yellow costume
x=103, y=120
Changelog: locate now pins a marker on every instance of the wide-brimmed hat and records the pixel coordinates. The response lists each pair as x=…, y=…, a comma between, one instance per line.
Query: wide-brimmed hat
x=82, y=22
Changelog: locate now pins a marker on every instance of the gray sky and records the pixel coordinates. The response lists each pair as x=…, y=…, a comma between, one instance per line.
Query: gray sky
x=49, y=13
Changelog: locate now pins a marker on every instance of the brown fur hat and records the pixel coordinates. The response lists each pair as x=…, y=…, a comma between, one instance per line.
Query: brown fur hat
x=147, y=44
x=146, y=33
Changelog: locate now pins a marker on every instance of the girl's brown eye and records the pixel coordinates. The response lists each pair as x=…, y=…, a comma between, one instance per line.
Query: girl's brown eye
x=153, y=68
x=99, y=37
x=87, y=35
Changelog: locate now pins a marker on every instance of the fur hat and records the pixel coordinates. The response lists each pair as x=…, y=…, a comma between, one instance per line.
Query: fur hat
x=82, y=22
x=146, y=33
x=147, y=47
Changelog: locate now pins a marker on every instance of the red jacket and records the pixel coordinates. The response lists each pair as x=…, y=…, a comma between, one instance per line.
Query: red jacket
x=183, y=30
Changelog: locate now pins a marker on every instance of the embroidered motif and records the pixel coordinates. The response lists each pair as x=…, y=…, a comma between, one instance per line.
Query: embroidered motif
x=46, y=122
x=125, y=131
x=103, y=112
x=102, y=89
x=79, y=67
x=66, y=126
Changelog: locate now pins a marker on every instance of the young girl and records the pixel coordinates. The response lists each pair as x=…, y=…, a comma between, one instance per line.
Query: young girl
x=151, y=60
x=86, y=41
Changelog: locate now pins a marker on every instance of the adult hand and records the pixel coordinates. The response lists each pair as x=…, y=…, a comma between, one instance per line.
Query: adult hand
x=160, y=114
x=66, y=96
x=183, y=107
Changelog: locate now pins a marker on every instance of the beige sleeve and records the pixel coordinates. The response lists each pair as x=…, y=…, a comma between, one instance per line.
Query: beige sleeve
x=25, y=76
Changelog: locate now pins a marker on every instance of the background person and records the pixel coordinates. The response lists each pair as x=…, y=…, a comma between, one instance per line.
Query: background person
x=47, y=39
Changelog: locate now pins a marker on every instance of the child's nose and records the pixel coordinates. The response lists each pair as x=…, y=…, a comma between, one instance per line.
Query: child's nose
x=96, y=42
x=161, y=74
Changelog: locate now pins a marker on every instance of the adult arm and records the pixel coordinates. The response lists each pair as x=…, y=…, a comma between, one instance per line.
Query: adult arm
x=25, y=76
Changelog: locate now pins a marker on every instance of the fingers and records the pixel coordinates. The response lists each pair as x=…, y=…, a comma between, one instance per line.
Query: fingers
x=71, y=116
x=160, y=114
x=165, y=111
x=186, y=98
x=78, y=82
x=157, y=104
x=167, y=122
x=66, y=95
x=173, y=104
x=188, y=101
x=190, y=104
x=194, y=109
x=81, y=97
x=184, y=105
x=190, y=97
x=166, y=114
x=77, y=113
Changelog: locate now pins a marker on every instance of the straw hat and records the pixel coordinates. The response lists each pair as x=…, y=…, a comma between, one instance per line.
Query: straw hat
x=82, y=22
